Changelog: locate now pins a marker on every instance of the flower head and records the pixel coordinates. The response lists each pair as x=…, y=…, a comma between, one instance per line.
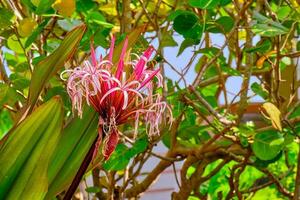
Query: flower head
x=119, y=93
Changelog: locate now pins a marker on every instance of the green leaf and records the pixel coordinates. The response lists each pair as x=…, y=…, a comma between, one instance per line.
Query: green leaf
x=194, y=33
x=267, y=27
x=186, y=43
x=263, y=47
x=283, y=12
x=36, y=33
x=6, y=122
x=99, y=19
x=277, y=142
x=85, y=5
x=27, y=151
x=204, y=4
x=167, y=40
x=294, y=114
x=122, y=155
x=7, y=95
x=51, y=64
x=5, y=18
x=174, y=14
x=16, y=45
x=259, y=90
x=44, y=6
x=93, y=189
x=77, y=138
x=266, y=145
x=226, y=23
x=210, y=52
x=184, y=22
x=19, y=82
x=230, y=71
x=224, y=2
x=223, y=24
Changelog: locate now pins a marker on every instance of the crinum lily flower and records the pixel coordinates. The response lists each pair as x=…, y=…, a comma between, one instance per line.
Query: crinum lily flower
x=118, y=95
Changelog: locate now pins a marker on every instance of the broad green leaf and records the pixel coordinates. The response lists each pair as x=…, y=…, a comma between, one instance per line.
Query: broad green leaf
x=19, y=82
x=167, y=40
x=186, y=43
x=5, y=18
x=27, y=151
x=36, y=33
x=265, y=145
x=16, y=44
x=98, y=18
x=85, y=5
x=210, y=90
x=283, y=12
x=224, y=2
x=43, y=6
x=93, y=189
x=209, y=52
x=295, y=113
x=122, y=155
x=194, y=33
x=188, y=135
x=7, y=95
x=226, y=23
x=230, y=71
x=204, y=4
x=277, y=142
x=174, y=14
x=51, y=64
x=77, y=138
x=263, y=47
x=274, y=114
x=6, y=122
x=259, y=90
x=223, y=24
x=267, y=27
x=30, y=5
x=267, y=30
x=118, y=160
x=184, y=22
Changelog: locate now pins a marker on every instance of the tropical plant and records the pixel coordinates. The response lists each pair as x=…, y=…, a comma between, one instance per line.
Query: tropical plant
x=214, y=82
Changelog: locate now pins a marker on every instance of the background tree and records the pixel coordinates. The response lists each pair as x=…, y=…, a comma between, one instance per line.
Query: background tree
x=229, y=147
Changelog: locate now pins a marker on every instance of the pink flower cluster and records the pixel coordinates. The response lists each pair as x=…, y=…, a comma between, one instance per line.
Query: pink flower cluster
x=120, y=93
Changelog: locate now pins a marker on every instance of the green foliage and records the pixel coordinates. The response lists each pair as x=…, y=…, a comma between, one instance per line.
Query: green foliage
x=43, y=143
x=26, y=153
x=267, y=144
x=122, y=155
x=204, y=4
x=51, y=64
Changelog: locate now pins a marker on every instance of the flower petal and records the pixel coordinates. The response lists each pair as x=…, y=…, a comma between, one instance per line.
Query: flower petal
x=140, y=66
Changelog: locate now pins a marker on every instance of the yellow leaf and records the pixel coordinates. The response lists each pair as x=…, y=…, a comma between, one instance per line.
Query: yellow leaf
x=109, y=8
x=26, y=26
x=261, y=60
x=274, y=115
x=65, y=7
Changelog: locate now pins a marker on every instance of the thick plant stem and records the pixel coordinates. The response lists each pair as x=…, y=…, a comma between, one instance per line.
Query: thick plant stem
x=84, y=165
